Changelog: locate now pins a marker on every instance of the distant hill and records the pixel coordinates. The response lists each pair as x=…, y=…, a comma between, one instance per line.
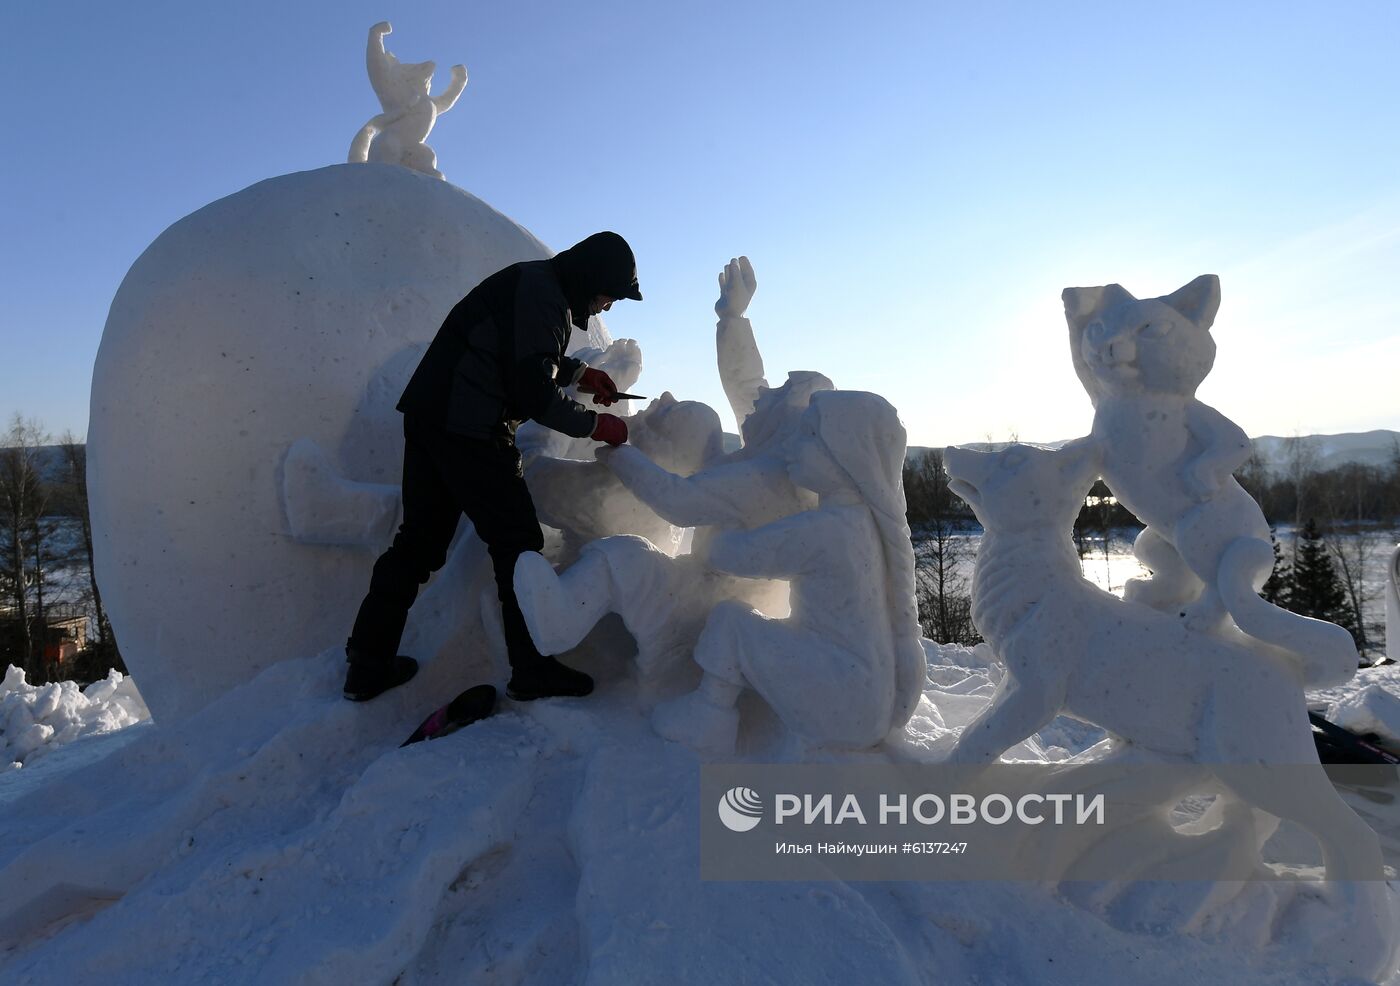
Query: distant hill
x=1369, y=448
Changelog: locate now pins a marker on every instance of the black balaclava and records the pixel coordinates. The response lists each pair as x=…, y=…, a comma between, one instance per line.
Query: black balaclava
x=601, y=264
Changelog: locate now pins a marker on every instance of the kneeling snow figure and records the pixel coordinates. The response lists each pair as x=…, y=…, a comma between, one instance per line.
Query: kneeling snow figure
x=846, y=667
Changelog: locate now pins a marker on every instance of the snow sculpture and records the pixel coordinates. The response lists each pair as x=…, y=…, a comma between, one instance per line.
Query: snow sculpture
x=1141, y=674
x=740, y=365
x=397, y=135
x=846, y=667
x=750, y=487
x=663, y=600
x=244, y=448
x=1392, y=607
x=586, y=501
x=1167, y=694
x=1169, y=459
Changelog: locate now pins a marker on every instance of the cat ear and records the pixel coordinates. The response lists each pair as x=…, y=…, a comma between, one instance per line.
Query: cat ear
x=1198, y=301
x=1083, y=305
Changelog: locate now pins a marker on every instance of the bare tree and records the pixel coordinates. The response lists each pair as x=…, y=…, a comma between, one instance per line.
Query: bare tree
x=942, y=552
x=75, y=464
x=1256, y=478
x=1300, y=459
x=1351, y=540
x=21, y=509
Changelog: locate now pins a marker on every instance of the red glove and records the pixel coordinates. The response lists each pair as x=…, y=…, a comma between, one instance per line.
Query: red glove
x=599, y=384
x=610, y=428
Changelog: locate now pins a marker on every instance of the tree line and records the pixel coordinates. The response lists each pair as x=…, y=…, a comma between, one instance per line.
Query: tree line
x=1341, y=522
x=46, y=570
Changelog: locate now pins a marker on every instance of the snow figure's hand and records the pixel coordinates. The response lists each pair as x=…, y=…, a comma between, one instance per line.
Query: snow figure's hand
x=622, y=361
x=1200, y=480
x=381, y=29
x=459, y=75
x=737, y=285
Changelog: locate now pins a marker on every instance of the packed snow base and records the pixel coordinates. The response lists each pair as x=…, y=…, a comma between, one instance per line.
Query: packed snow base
x=282, y=836
x=37, y=719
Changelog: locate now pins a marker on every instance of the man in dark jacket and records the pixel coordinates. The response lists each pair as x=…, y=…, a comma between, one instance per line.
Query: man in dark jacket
x=497, y=360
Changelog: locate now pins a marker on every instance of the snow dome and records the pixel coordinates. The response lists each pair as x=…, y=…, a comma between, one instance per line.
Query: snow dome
x=292, y=311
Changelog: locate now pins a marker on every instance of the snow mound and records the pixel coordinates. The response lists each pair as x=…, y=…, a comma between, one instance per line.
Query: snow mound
x=37, y=719
x=1372, y=709
x=289, y=839
x=292, y=312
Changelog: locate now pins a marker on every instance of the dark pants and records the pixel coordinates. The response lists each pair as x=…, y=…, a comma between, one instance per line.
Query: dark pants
x=444, y=477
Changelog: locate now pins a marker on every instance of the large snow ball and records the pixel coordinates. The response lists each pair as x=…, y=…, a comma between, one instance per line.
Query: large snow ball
x=293, y=310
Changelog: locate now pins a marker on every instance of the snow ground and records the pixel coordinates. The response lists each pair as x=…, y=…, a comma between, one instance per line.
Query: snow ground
x=283, y=836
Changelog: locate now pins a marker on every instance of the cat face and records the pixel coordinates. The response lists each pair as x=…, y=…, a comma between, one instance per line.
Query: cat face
x=1123, y=346
x=1024, y=487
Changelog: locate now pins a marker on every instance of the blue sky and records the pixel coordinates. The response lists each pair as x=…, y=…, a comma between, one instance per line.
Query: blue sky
x=915, y=183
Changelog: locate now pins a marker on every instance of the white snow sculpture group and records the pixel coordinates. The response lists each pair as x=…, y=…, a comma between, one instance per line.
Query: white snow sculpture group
x=811, y=503
x=1192, y=667
x=397, y=135
x=784, y=568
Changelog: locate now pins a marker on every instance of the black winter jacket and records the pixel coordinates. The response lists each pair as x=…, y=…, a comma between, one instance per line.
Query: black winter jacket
x=499, y=359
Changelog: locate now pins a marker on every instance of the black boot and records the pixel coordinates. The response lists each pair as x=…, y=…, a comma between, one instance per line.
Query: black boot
x=545, y=677
x=367, y=678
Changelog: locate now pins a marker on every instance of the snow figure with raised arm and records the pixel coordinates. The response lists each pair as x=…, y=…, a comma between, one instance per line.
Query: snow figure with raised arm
x=397, y=135
x=1169, y=459
x=846, y=666
x=749, y=487
x=664, y=601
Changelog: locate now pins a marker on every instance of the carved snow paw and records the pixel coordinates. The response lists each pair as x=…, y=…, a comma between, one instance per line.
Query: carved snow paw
x=1138, y=590
x=698, y=723
x=1152, y=591
x=1205, y=615
x=542, y=603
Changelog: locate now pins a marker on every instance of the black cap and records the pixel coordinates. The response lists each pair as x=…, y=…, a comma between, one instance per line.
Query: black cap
x=602, y=264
